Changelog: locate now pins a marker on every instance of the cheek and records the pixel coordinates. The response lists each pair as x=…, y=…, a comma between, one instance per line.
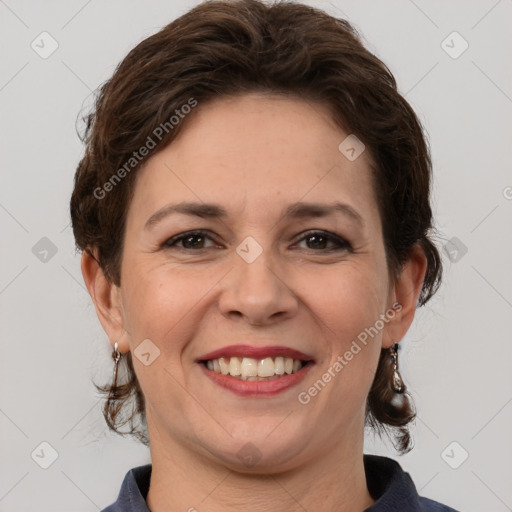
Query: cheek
x=350, y=300
x=161, y=302
x=152, y=303
x=157, y=303
x=353, y=304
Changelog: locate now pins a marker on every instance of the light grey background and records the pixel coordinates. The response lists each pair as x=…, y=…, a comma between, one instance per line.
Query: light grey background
x=456, y=359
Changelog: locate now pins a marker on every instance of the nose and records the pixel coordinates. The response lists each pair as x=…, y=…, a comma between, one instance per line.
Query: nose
x=257, y=292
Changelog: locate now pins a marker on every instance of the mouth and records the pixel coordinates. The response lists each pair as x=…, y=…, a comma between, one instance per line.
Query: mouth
x=254, y=371
x=251, y=369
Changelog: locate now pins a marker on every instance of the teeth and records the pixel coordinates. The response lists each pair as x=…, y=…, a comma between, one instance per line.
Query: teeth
x=248, y=368
x=266, y=367
x=279, y=365
x=224, y=365
x=235, y=366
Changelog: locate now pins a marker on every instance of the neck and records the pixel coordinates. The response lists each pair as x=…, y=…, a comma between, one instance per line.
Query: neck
x=183, y=480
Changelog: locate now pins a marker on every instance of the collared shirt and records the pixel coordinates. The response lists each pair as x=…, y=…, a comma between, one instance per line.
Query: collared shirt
x=389, y=485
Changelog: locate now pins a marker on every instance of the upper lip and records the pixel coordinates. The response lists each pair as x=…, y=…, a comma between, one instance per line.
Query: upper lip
x=255, y=352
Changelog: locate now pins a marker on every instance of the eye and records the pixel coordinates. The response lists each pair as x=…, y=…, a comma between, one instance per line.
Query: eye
x=320, y=238
x=194, y=240
x=188, y=239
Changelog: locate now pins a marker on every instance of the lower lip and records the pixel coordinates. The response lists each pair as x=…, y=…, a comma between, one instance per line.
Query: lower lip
x=257, y=388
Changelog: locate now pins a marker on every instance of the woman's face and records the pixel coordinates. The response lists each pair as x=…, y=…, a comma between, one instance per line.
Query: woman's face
x=258, y=277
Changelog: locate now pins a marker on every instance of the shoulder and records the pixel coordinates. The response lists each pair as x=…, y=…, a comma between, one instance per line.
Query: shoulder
x=134, y=489
x=393, y=489
x=428, y=505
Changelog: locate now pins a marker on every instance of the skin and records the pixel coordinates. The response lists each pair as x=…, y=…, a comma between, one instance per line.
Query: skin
x=255, y=154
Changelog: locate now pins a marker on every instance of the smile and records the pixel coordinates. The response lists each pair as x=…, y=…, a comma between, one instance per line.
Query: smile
x=255, y=386
x=248, y=368
x=253, y=371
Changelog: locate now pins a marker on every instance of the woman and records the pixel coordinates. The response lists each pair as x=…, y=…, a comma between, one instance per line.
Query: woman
x=253, y=211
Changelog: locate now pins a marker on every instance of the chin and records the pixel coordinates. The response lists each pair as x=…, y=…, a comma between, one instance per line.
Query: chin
x=267, y=448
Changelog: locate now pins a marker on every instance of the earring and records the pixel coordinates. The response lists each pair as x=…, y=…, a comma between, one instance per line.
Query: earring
x=116, y=356
x=397, y=383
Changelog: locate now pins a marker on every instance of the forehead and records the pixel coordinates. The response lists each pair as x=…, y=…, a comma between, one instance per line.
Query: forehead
x=252, y=152
x=259, y=132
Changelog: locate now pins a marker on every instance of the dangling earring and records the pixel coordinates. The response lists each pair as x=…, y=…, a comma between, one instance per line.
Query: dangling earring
x=116, y=356
x=397, y=382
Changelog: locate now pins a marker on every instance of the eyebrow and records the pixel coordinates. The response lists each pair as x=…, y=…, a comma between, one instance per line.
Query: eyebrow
x=299, y=210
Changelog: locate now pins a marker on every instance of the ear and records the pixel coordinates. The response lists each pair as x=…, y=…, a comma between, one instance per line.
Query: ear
x=106, y=297
x=405, y=293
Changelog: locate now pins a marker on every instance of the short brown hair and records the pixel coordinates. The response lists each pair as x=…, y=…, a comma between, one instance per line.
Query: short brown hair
x=222, y=48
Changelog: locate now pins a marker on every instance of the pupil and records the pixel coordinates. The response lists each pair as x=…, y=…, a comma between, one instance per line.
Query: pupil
x=317, y=237
x=191, y=237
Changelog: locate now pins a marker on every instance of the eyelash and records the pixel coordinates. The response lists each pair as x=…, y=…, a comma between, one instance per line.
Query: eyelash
x=341, y=242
